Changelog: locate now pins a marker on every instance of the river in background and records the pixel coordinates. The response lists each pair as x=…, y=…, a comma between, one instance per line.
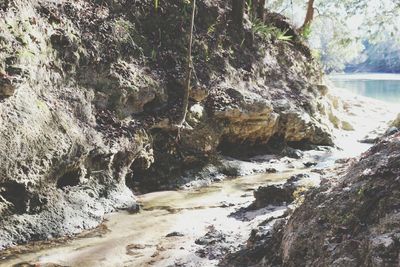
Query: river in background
x=385, y=87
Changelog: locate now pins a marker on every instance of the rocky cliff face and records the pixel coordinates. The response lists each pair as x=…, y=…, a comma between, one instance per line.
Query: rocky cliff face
x=89, y=90
x=362, y=228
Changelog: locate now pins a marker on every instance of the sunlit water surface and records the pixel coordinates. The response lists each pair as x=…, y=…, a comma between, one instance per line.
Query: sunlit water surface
x=371, y=101
x=385, y=87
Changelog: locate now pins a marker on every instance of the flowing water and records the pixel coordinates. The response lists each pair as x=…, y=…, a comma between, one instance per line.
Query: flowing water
x=141, y=239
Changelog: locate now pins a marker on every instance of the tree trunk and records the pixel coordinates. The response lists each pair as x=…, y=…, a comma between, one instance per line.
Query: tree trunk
x=254, y=6
x=257, y=9
x=189, y=69
x=309, y=16
x=260, y=9
x=237, y=13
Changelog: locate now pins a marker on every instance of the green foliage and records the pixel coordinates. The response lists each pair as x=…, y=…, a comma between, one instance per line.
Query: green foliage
x=211, y=29
x=260, y=28
x=269, y=32
x=335, y=43
x=156, y=5
x=316, y=54
x=282, y=35
x=306, y=33
x=340, y=26
x=249, y=4
x=361, y=192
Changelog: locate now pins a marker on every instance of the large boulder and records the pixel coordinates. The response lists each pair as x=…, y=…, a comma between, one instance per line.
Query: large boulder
x=349, y=221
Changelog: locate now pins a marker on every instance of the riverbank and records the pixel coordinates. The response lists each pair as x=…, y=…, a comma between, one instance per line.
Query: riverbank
x=198, y=227
x=352, y=219
x=91, y=93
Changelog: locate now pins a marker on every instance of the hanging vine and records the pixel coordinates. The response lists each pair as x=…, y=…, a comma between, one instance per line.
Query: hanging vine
x=189, y=70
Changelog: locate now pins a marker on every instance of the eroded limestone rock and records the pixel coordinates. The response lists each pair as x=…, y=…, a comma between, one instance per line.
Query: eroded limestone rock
x=349, y=221
x=98, y=92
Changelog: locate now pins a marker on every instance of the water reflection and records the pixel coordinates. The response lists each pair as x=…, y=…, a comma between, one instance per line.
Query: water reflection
x=385, y=87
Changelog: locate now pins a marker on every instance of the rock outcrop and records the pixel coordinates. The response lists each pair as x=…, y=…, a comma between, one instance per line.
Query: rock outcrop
x=282, y=193
x=89, y=90
x=349, y=221
x=396, y=122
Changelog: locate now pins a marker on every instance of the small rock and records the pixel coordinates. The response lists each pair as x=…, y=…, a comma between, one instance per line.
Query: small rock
x=271, y=170
x=368, y=140
x=213, y=236
x=296, y=178
x=7, y=88
x=319, y=171
x=174, y=234
x=135, y=246
x=277, y=194
x=217, y=179
x=391, y=131
x=293, y=153
x=226, y=204
x=310, y=164
x=135, y=208
x=272, y=195
x=216, y=244
x=343, y=160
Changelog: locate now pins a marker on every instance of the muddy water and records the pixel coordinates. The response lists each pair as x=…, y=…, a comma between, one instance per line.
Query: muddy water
x=140, y=239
